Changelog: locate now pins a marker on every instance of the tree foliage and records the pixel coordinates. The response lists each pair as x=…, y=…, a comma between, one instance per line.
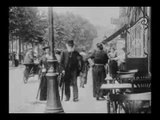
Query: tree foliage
x=27, y=24
x=69, y=26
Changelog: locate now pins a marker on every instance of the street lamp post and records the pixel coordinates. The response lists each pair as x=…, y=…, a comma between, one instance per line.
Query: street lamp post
x=53, y=100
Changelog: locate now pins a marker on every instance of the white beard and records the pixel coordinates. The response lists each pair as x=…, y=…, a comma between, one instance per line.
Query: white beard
x=70, y=49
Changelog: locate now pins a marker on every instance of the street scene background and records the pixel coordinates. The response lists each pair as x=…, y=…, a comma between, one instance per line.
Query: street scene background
x=87, y=26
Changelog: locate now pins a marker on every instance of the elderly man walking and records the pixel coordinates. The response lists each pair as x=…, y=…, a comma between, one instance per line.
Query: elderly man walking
x=70, y=62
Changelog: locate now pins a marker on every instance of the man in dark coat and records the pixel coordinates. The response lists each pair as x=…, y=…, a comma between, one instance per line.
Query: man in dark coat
x=100, y=59
x=70, y=62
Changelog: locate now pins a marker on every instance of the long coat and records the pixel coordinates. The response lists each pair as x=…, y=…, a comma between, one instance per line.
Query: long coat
x=70, y=62
x=75, y=63
x=43, y=79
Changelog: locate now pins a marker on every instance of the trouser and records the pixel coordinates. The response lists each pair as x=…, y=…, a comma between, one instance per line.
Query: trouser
x=71, y=81
x=122, y=66
x=83, y=75
x=83, y=79
x=99, y=75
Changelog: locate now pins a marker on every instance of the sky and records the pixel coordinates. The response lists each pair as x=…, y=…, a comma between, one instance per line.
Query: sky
x=100, y=16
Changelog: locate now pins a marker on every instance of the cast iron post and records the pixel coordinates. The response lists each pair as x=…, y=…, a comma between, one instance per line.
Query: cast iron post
x=53, y=98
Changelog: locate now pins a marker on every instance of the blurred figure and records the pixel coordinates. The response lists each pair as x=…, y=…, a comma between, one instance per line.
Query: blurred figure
x=90, y=59
x=58, y=55
x=13, y=57
x=120, y=59
x=21, y=57
x=100, y=59
x=29, y=57
x=16, y=59
x=113, y=66
x=85, y=67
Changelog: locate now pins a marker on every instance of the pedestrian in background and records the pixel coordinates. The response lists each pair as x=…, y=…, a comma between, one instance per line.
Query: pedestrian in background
x=85, y=67
x=58, y=55
x=100, y=59
x=113, y=65
x=13, y=58
x=70, y=62
x=120, y=59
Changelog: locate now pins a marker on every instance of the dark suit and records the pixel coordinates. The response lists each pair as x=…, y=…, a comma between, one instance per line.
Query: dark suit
x=70, y=63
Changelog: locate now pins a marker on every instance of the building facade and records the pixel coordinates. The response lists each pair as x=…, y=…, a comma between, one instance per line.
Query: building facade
x=134, y=26
x=138, y=40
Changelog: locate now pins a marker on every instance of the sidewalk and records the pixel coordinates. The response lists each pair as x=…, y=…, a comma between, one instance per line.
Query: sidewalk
x=13, y=67
x=86, y=103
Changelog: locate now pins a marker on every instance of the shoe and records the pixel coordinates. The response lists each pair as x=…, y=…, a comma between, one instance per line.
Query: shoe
x=102, y=97
x=97, y=98
x=75, y=100
x=66, y=100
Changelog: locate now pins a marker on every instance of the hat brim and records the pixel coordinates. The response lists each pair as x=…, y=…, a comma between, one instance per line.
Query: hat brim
x=46, y=48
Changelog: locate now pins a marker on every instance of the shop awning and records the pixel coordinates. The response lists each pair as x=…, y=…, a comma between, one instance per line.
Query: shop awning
x=115, y=34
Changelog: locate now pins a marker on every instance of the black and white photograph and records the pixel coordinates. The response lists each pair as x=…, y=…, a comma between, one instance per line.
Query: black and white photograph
x=80, y=59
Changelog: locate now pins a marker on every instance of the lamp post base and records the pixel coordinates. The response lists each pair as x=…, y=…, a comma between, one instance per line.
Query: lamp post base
x=54, y=110
x=53, y=99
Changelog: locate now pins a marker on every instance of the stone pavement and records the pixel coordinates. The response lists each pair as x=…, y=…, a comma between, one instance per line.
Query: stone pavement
x=29, y=104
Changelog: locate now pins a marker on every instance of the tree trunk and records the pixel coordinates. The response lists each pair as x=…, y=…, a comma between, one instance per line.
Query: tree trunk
x=12, y=50
x=12, y=44
x=16, y=45
x=22, y=46
x=19, y=50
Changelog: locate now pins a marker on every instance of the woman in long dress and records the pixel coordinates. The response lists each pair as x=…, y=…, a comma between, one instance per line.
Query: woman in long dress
x=43, y=79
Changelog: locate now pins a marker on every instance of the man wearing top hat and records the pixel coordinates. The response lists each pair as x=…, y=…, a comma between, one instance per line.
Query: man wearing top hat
x=70, y=62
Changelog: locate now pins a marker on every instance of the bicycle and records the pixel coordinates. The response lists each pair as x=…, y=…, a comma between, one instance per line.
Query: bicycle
x=31, y=70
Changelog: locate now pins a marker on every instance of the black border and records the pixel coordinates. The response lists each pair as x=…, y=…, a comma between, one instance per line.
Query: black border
x=74, y=4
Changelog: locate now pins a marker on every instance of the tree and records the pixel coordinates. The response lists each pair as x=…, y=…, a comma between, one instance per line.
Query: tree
x=26, y=24
x=69, y=26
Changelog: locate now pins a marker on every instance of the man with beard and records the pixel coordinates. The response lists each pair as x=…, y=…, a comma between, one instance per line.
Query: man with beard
x=71, y=63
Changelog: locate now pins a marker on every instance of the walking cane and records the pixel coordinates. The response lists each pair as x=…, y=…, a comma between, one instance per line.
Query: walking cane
x=62, y=88
x=38, y=90
x=39, y=85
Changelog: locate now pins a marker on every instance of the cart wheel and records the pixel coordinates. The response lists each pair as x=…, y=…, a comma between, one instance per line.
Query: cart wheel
x=25, y=76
